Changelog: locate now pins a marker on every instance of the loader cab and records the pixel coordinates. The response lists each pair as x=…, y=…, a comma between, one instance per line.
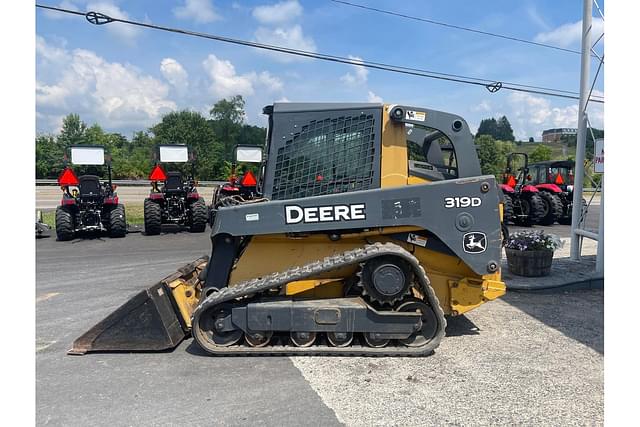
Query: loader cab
x=326, y=148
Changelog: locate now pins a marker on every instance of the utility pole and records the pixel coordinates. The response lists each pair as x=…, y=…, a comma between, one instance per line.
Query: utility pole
x=576, y=231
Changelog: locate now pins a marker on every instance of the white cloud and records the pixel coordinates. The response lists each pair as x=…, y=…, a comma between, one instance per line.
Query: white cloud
x=175, y=74
x=124, y=32
x=372, y=97
x=65, y=4
x=359, y=75
x=225, y=81
x=570, y=34
x=200, y=11
x=531, y=114
x=113, y=94
x=291, y=37
x=278, y=13
x=484, y=106
x=49, y=53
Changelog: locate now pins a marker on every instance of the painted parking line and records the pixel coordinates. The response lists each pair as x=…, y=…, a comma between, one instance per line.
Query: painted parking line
x=46, y=296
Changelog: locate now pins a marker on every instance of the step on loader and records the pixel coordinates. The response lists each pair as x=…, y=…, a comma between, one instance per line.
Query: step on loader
x=348, y=248
x=89, y=205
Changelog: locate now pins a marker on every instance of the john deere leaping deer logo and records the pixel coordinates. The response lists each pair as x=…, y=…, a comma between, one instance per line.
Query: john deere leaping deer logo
x=474, y=242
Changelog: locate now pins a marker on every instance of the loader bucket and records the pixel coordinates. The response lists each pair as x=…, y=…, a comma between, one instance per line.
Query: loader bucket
x=150, y=321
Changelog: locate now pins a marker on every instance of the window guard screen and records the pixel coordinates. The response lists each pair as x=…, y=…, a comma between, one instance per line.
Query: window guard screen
x=333, y=155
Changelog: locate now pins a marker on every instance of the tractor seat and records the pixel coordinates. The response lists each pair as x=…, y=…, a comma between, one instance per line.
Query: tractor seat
x=89, y=186
x=174, y=183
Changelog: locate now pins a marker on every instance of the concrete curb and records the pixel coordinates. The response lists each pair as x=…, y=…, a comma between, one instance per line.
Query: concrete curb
x=566, y=275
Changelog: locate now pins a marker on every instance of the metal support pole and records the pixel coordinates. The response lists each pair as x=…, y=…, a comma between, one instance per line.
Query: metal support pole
x=600, y=253
x=581, y=143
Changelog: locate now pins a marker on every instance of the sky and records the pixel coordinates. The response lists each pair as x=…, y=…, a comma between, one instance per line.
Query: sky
x=126, y=78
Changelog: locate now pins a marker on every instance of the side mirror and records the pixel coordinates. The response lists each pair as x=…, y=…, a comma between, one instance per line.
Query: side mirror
x=248, y=154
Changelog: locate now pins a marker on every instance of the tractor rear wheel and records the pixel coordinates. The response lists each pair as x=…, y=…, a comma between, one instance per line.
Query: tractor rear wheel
x=507, y=209
x=152, y=217
x=65, y=229
x=198, y=216
x=117, y=222
x=551, y=208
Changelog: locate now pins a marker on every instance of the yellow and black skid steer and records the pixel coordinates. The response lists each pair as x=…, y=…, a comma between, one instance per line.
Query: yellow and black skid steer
x=371, y=224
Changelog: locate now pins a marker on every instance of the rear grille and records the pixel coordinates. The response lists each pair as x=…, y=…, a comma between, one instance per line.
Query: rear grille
x=329, y=156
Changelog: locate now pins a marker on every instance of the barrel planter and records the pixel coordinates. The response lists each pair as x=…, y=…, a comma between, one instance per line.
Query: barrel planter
x=529, y=263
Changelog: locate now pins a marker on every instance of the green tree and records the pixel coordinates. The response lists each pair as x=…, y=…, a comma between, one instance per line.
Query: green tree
x=73, y=131
x=228, y=117
x=488, y=127
x=488, y=154
x=540, y=154
x=192, y=129
x=504, y=132
x=49, y=157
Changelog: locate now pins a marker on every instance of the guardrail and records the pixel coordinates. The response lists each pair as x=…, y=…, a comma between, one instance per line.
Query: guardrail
x=132, y=182
x=140, y=182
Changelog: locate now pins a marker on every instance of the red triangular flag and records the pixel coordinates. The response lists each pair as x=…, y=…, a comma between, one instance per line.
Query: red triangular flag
x=511, y=181
x=157, y=174
x=559, y=180
x=67, y=177
x=249, y=180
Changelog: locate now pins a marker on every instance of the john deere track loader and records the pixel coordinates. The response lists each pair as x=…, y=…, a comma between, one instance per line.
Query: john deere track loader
x=351, y=247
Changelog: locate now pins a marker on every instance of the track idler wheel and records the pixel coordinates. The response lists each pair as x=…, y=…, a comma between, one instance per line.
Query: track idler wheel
x=211, y=328
x=303, y=339
x=340, y=339
x=258, y=339
x=429, y=323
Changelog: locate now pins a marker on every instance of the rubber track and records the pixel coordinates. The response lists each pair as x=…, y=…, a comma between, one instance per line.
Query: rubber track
x=278, y=280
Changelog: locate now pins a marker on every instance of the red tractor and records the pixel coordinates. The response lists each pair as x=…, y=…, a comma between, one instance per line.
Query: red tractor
x=556, y=179
x=88, y=205
x=523, y=203
x=242, y=187
x=173, y=199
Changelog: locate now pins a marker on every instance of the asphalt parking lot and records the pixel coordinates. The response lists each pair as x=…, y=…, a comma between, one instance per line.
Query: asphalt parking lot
x=526, y=359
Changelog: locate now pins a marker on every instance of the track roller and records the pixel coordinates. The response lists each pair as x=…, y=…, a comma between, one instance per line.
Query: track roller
x=258, y=339
x=303, y=339
x=340, y=339
x=373, y=340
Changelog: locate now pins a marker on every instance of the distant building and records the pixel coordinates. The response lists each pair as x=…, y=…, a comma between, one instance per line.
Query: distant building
x=555, y=135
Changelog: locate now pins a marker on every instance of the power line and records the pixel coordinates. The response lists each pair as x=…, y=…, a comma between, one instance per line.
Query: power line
x=457, y=27
x=98, y=18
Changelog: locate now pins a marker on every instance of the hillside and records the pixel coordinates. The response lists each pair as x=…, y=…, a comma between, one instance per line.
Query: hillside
x=560, y=150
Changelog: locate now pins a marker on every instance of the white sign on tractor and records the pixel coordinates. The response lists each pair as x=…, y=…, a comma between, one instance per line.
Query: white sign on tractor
x=598, y=156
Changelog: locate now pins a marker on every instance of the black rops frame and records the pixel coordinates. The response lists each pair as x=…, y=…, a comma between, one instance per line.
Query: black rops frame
x=191, y=155
x=107, y=157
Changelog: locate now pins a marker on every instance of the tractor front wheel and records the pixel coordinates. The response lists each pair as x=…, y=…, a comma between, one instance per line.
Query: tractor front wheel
x=65, y=229
x=198, y=216
x=551, y=208
x=117, y=222
x=152, y=217
x=532, y=209
x=507, y=209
